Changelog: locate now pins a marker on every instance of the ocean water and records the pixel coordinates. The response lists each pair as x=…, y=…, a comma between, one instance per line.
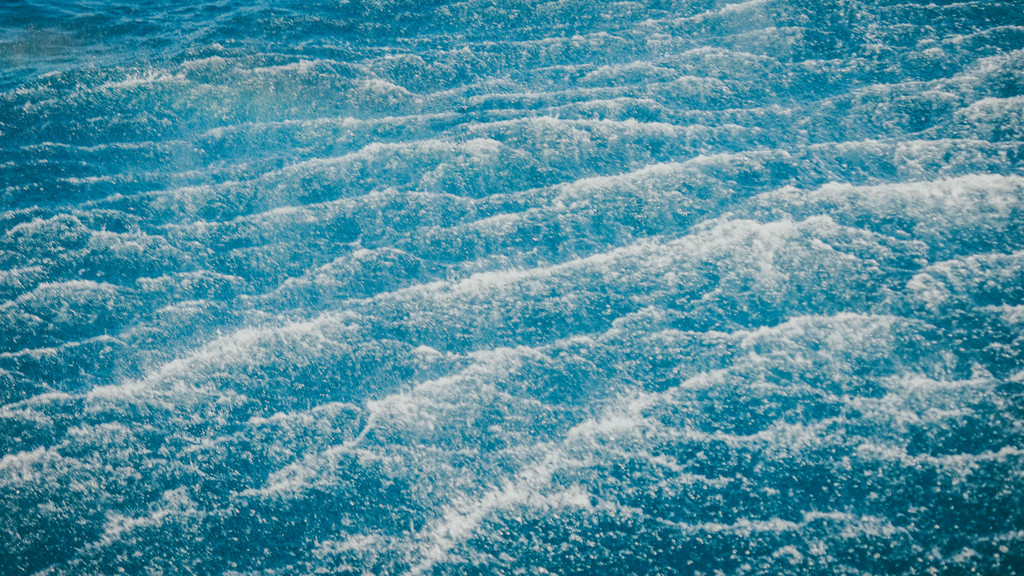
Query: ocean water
x=573, y=287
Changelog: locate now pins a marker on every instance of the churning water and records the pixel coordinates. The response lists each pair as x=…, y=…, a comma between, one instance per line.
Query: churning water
x=511, y=287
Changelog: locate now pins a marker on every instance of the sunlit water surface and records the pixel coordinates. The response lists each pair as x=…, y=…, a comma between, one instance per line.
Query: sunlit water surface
x=511, y=287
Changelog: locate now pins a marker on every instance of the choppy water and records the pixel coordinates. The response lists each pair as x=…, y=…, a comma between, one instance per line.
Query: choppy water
x=511, y=287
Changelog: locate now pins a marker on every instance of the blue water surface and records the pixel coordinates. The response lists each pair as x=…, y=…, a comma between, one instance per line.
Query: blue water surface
x=456, y=287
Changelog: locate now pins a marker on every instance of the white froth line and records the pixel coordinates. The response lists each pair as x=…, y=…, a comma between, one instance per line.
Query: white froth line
x=962, y=193
x=354, y=543
x=282, y=214
x=486, y=366
x=739, y=7
x=20, y=411
x=585, y=187
x=153, y=282
x=118, y=524
x=1011, y=536
x=382, y=86
x=958, y=39
x=373, y=152
x=991, y=64
x=174, y=502
x=607, y=124
x=729, y=9
x=461, y=520
x=241, y=344
x=38, y=353
x=962, y=463
x=868, y=525
x=136, y=80
x=920, y=383
x=408, y=404
x=106, y=178
x=27, y=467
x=348, y=122
x=10, y=274
x=1011, y=314
x=635, y=176
x=296, y=477
x=610, y=70
x=917, y=145
x=302, y=66
x=859, y=326
x=539, y=95
x=306, y=416
x=720, y=234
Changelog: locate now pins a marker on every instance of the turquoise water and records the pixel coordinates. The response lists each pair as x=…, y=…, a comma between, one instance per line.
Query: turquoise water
x=511, y=287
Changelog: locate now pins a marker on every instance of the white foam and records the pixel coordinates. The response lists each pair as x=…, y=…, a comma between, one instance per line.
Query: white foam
x=147, y=78
x=27, y=467
x=357, y=543
x=302, y=66
x=117, y=525
x=461, y=519
x=1008, y=313
x=379, y=88
x=208, y=62
x=612, y=71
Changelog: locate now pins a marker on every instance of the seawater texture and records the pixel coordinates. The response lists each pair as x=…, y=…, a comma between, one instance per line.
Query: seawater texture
x=511, y=287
